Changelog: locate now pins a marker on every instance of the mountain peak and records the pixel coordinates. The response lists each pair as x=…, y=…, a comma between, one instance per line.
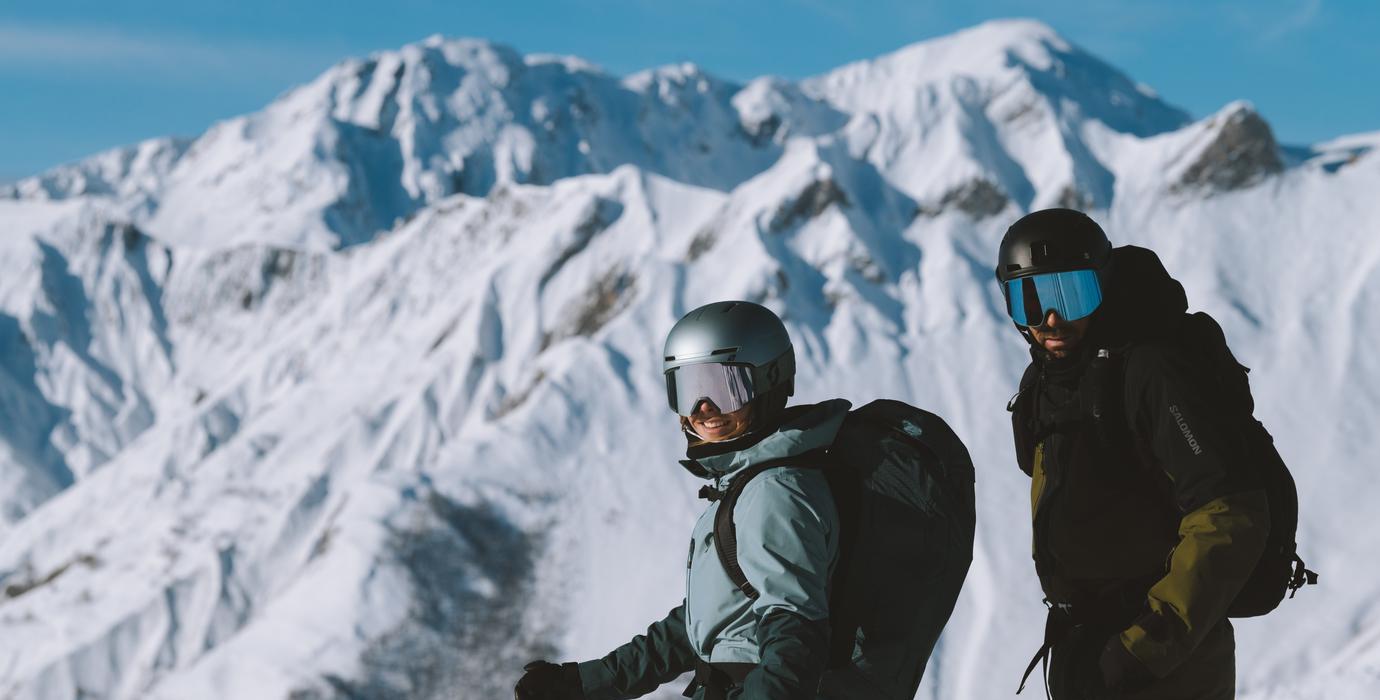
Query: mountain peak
x=1003, y=92
x=678, y=75
x=1237, y=150
x=572, y=64
x=461, y=48
x=986, y=49
x=987, y=60
x=1012, y=30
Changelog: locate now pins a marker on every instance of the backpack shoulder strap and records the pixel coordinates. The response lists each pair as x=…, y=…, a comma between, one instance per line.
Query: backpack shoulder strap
x=1021, y=407
x=1102, y=397
x=726, y=533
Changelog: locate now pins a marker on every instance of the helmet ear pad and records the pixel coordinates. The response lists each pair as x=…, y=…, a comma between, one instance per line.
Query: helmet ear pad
x=767, y=410
x=777, y=374
x=769, y=406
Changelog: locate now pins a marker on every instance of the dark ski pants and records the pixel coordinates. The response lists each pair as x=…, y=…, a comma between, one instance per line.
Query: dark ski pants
x=1208, y=674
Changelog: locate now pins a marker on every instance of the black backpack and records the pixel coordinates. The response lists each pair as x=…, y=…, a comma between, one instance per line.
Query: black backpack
x=1279, y=569
x=902, y=483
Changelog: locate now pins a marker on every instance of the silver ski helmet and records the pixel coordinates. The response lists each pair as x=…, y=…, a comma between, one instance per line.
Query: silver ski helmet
x=729, y=353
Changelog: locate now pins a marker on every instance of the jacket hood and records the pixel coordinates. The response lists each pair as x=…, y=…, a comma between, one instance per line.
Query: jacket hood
x=803, y=428
x=1141, y=302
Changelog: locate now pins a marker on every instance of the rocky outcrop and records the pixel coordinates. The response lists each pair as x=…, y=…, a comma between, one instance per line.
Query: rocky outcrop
x=1073, y=198
x=601, y=302
x=703, y=241
x=599, y=215
x=978, y=198
x=1242, y=153
x=812, y=201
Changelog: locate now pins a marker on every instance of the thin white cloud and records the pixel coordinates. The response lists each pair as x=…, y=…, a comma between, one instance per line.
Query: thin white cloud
x=1295, y=21
x=113, y=49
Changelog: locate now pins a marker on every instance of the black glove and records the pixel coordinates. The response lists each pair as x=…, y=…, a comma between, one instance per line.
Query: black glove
x=1121, y=670
x=1085, y=678
x=547, y=681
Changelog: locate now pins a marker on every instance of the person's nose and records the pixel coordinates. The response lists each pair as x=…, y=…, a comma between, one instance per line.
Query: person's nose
x=1053, y=319
x=705, y=409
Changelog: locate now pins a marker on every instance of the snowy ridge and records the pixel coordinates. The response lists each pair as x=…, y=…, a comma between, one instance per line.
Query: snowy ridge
x=132, y=175
x=359, y=395
x=1007, y=109
x=373, y=141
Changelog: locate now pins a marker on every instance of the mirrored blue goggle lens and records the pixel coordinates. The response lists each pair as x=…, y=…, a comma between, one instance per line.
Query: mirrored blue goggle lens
x=1073, y=295
x=728, y=387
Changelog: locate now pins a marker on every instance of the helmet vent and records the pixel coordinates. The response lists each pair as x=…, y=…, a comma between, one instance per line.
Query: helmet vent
x=718, y=351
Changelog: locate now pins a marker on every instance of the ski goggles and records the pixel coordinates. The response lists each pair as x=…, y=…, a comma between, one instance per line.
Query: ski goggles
x=728, y=387
x=1072, y=295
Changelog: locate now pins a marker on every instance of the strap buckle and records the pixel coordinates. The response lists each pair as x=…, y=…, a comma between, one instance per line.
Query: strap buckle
x=1302, y=577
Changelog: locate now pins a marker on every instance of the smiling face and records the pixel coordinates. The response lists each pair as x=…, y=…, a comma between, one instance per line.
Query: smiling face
x=1058, y=337
x=714, y=426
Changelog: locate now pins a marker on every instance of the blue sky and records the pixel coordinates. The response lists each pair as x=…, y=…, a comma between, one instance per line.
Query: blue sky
x=77, y=77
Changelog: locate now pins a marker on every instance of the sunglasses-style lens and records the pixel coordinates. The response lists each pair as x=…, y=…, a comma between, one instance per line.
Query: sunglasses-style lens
x=728, y=387
x=1072, y=295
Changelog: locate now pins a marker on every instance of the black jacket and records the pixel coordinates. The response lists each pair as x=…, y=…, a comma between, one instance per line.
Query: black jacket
x=1156, y=499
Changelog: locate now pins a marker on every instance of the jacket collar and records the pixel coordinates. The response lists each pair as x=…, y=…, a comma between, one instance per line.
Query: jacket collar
x=803, y=428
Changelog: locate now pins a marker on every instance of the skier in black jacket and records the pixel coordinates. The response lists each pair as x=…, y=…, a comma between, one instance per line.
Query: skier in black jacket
x=1147, y=518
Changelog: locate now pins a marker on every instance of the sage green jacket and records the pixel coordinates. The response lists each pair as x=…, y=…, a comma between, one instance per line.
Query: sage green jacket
x=787, y=529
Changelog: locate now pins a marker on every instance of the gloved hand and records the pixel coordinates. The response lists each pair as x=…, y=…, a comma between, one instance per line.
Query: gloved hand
x=1120, y=669
x=547, y=681
x=1085, y=679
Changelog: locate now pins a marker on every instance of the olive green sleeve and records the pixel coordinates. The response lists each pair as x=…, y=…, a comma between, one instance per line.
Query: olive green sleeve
x=1219, y=544
x=643, y=664
x=1225, y=517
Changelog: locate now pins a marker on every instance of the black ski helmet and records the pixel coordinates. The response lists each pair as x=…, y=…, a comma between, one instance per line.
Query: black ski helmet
x=1052, y=240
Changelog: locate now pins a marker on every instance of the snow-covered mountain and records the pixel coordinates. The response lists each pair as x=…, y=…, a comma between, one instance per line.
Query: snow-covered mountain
x=358, y=396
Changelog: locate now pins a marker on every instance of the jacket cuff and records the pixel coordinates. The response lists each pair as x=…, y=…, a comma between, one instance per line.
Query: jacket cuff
x=1157, y=642
x=570, y=678
x=595, y=679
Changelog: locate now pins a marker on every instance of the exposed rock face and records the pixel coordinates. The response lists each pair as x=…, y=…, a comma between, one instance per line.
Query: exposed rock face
x=601, y=302
x=1243, y=153
x=1073, y=198
x=811, y=202
x=760, y=133
x=600, y=214
x=977, y=198
x=701, y=243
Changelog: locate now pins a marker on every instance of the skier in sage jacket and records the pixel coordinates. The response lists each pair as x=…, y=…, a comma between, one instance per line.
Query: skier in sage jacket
x=1147, y=517
x=729, y=369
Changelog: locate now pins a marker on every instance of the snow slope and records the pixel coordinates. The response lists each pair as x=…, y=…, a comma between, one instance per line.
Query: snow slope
x=358, y=396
